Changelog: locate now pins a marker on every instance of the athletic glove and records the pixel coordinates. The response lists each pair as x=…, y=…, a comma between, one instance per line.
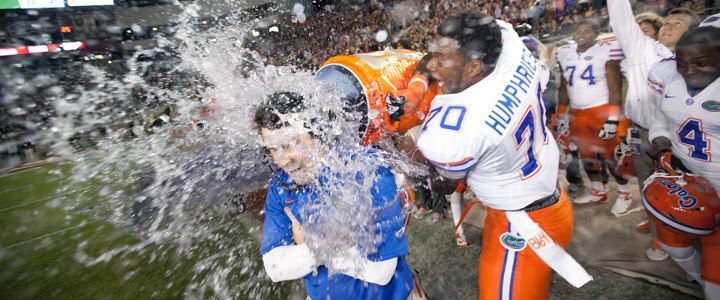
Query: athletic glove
x=395, y=106
x=668, y=163
x=563, y=126
x=411, y=97
x=609, y=129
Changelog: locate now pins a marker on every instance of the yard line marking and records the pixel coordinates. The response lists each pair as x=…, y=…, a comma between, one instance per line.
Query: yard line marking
x=33, y=201
x=27, y=185
x=26, y=203
x=53, y=233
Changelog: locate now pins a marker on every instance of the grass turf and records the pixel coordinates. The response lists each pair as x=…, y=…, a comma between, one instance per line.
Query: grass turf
x=40, y=241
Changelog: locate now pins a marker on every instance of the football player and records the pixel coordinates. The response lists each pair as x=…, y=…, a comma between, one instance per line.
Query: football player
x=591, y=87
x=488, y=127
x=685, y=125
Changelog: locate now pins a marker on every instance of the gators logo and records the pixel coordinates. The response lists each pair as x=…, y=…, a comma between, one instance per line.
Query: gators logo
x=686, y=200
x=711, y=106
x=512, y=242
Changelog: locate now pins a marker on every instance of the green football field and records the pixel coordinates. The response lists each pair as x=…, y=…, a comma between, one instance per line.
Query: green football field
x=41, y=242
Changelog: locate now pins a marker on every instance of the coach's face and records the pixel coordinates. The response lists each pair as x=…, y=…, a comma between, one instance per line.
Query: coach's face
x=673, y=28
x=451, y=67
x=699, y=64
x=292, y=151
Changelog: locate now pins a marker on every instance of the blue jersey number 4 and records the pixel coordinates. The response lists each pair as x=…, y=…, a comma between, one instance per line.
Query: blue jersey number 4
x=691, y=134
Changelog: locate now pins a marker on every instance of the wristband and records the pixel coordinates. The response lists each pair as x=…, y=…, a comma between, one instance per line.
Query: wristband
x=614, y=112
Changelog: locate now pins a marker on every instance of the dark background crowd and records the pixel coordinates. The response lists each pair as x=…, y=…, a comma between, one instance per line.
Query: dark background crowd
x=330, y=28
x=352, y=28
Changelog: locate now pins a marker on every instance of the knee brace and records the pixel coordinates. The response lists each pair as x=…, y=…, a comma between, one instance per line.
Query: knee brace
x=687, y=258
x=712, y=291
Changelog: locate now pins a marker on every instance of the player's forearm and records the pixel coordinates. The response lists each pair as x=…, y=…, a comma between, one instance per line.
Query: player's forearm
x=563, y=98
x=544, y=53
x=659, y=144
x=289, y=262
x=352, y=264
x=614, y=81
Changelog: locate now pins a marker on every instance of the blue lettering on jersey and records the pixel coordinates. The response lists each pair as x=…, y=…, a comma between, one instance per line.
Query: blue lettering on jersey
x=513, y=93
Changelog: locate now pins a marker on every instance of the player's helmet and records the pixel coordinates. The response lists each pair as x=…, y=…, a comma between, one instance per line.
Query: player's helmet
x=623, y=158
x=713, y=21
x=687, y=203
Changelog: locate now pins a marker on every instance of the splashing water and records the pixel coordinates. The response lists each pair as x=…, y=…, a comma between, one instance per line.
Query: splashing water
x=166, y=180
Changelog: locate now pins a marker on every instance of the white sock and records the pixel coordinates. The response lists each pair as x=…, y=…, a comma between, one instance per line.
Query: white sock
x=687, y=258
x=456, y=208
x=623, y=188
x=598, y=186
x=712, y=291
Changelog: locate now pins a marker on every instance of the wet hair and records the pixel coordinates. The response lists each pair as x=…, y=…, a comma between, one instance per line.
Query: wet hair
x=701, y=35
x=268, y=113
x=651, y=18
x=694, y=19
x=478, y=35
x=590, y=22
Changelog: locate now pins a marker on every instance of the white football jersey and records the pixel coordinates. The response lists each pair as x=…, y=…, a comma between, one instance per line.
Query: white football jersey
x=641, y=52
x=692, y=123
x=494, y=131
x=585, y=72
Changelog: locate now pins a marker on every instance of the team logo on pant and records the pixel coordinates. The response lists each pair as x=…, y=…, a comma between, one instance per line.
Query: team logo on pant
x=512, y=242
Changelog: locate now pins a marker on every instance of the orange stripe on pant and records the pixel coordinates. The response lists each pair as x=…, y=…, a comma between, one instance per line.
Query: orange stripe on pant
x=710, y=248
x=505, y=274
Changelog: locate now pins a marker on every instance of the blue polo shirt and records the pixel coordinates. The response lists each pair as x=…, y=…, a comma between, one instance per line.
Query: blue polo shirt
x=389, y=223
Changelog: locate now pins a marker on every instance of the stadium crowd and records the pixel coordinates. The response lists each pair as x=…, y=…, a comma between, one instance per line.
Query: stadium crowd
x=358, y=28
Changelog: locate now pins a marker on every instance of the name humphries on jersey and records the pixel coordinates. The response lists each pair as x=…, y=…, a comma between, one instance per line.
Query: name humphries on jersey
x=518, y=88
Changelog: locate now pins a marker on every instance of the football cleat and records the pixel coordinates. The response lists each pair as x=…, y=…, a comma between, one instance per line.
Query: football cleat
x=643, y=227
x=420, y=213
x=576, y=187
x=622, y=204
x=655, y=253
x=436, y=217
x=461, y=240
x=592, y=196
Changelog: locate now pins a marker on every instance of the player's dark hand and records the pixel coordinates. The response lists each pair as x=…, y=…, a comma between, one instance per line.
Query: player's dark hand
x=668, y=163
x=395, y=106
x=609, y=129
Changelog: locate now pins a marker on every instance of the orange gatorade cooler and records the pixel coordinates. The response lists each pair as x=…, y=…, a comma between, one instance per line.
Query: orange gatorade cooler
x=365, y=79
